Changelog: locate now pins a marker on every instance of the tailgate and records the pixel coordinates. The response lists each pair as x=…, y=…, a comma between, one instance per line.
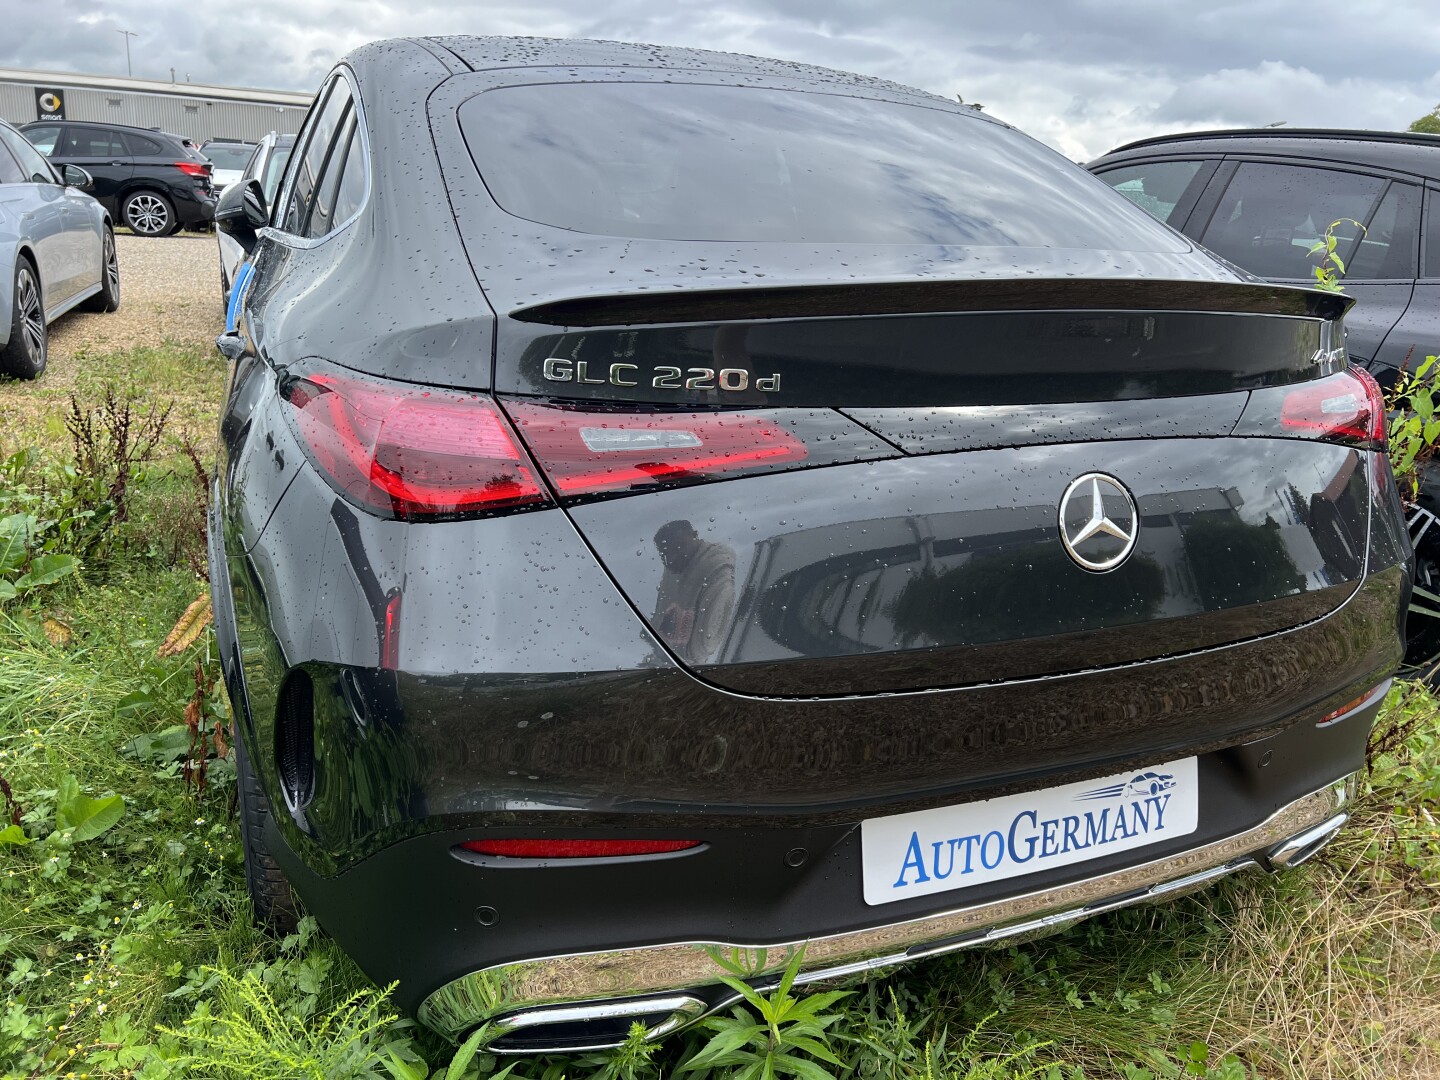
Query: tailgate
x=949, y=569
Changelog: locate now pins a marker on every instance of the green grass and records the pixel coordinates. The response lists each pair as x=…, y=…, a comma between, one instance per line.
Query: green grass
x=133, y=953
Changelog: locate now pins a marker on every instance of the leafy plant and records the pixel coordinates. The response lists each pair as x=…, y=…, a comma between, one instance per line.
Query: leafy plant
x=1331, y=267
x=24, y=566
x=787, y=1040
x=1413, y=425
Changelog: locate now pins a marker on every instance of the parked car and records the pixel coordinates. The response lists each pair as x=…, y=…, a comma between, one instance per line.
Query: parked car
x=229, y=156
x=151, y=181
x=1261, y=198
x=57, y=252
x=676, y=507
x=265, y=164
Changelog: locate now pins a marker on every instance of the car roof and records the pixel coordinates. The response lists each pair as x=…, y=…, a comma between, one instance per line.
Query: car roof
x=489, y=53
x=104, y=124
x=1398, y=151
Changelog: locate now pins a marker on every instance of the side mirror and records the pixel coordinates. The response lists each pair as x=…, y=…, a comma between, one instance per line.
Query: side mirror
x=76, y=177
x=241, y=212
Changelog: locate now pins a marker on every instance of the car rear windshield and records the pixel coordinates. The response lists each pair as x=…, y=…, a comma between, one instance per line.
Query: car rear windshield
x=704, y=162
x=228, y=156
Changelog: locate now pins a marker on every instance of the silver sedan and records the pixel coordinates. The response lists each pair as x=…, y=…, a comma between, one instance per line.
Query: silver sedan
x=57, y=252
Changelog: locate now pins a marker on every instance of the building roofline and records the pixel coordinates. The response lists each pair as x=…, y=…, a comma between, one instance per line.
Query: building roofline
x=1413, y=138
x=81, y=81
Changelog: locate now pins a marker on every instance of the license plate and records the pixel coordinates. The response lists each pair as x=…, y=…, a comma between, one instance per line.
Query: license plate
x=953, y=847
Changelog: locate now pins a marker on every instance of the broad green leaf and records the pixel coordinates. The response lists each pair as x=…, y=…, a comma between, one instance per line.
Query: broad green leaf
x=87, y=817
x=172, y=744
x=805, y=1070
x=7, y=591
x=1432, y=431
x=1425, y=365
x=13, y=836
x=814, y=1048
x=405, y=1070
x=1422, y=403
x=466, y=1053
x=1339, y=262
x=47, y=570
x=15, y=533
x=719, y=1048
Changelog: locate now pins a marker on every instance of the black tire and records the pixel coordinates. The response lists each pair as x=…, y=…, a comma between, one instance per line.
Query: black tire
x=270, y=891
x=148, y=213
x=224, y=289
x=24, y=354
x=108, y=298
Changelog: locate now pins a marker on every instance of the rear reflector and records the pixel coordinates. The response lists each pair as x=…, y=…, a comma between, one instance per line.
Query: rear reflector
x=409, y=452
x=576, y=849
x=1352, y=706
x=1347, y=406
x=586, y=451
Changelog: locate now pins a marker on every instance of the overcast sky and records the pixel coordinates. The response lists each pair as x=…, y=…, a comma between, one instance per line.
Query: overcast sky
x=1084, y=75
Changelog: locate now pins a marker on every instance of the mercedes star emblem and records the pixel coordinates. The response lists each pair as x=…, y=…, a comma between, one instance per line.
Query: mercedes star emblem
x=1098, y=522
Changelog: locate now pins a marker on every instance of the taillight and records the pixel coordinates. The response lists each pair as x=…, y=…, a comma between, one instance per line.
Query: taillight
x=410, y=452
x=1347, y=407
x=576, y=849
x=193, y=168
x=589, y=450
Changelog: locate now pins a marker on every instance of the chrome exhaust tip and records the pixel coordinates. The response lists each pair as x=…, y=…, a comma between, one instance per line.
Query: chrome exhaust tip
x=1300, y=847
x=602, y=1025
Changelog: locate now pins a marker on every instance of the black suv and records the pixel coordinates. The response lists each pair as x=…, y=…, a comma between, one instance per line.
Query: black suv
x=154, y=182
x=675, y=508
x=1261, y=198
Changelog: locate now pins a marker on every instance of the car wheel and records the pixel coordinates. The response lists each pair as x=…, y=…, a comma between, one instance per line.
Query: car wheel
x=108, y=298
x=24, y=355
x=224, y=289
x=149, y=213
x=270, y=892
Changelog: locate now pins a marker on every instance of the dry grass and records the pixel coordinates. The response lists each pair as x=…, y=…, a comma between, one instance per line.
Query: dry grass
x=1340, y=978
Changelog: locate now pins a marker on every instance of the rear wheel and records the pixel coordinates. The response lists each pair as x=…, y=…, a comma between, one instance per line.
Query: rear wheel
x=148, y=213
x=108, y=298
x=270, y=892
x=24, y=354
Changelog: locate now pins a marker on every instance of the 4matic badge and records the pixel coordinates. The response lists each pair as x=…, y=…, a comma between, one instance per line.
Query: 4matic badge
x=660, y=377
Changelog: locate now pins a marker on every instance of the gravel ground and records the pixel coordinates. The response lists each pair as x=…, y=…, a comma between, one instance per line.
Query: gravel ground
x=169, y=292
x=160, y=345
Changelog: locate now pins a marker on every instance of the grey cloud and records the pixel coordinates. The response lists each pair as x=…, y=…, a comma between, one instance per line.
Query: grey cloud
x=1082, y=75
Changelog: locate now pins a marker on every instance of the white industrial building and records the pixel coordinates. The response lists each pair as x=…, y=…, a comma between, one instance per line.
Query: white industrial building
x=193, y=110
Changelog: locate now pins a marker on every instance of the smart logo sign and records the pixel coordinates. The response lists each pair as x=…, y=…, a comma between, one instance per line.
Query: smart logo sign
x=49, y=103
x=956, y=846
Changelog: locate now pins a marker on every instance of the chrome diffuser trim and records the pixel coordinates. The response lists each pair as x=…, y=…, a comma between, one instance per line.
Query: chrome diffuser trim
x=531, y=993
x=682, y=1009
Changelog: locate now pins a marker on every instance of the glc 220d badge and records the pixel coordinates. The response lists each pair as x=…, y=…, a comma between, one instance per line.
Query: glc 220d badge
x=663, y=377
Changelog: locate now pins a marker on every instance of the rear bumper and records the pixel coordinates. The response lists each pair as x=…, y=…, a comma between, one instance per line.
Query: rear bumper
x=587, y=1000
x=471, y=941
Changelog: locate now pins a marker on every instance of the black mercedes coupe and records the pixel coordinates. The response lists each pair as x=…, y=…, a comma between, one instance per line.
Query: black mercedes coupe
x=676, y=509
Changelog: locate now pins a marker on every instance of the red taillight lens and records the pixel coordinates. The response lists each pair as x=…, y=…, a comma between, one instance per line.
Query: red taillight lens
x=193, y=168
x=586, y=451
x=575, y=849
x=409, y=452
x=1347, y=407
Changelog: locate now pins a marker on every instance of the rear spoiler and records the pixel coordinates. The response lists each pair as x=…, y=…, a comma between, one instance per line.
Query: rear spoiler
x=934, y=297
